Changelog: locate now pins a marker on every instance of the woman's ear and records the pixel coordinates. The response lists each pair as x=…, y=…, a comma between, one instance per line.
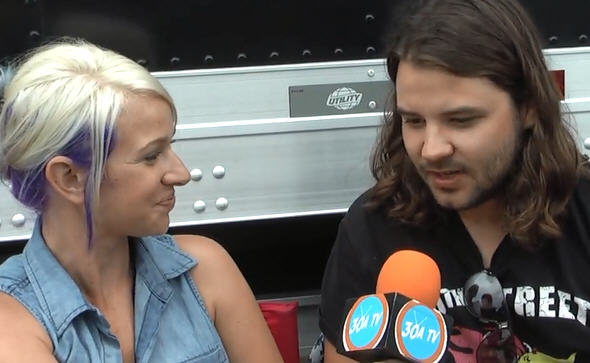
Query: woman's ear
x=66, y=178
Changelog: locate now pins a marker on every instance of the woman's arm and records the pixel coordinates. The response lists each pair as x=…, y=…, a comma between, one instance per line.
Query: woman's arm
x=230, y=302
x=22, y=338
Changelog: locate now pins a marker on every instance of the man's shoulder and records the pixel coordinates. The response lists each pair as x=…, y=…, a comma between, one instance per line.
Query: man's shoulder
x=581, y=194
x=368, y=226
x=583, y=185
x=363, y=211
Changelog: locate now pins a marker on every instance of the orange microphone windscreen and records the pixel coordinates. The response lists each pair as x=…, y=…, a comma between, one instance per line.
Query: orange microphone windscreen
x=412, y=274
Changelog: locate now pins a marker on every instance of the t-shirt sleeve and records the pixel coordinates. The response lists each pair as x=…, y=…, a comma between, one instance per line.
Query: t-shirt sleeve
x=346, y=275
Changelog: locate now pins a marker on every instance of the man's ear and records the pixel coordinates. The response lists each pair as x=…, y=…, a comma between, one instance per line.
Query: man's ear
x=66, y=178
x=529, y=117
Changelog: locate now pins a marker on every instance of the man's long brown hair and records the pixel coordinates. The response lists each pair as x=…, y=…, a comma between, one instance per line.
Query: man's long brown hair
x=497, y=40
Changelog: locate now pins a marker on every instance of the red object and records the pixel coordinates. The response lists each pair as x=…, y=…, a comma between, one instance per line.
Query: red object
x=559, y=77
x=281, y=318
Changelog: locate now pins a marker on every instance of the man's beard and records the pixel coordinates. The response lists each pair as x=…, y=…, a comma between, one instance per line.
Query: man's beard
x=497, y=175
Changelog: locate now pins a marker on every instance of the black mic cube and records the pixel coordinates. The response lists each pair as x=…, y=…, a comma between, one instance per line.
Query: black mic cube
x=384, y=326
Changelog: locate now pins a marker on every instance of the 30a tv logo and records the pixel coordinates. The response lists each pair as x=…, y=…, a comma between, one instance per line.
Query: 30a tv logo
x=365, y=323
x=420, y=332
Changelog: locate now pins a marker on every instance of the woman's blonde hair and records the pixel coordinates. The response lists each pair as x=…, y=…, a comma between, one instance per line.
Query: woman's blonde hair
x=64, y=98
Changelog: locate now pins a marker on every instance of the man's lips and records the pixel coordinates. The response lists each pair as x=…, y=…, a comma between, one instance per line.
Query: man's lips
x=443, y=171
x=444, y=178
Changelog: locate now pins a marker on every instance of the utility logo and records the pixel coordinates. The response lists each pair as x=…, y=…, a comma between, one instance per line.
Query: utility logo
x=344, y=98
x=420, y=333
x=365, y=323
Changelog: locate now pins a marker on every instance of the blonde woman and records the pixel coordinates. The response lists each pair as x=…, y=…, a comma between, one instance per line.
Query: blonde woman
x=85, y=140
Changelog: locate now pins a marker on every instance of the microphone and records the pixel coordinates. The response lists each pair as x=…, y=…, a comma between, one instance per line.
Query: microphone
x=398, y=321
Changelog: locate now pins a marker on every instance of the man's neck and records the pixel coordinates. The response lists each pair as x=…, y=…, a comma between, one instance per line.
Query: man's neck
x=485, y=224
x=491, y=210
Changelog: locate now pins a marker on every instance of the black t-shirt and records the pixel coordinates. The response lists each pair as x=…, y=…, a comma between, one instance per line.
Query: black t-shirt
x=547, y=291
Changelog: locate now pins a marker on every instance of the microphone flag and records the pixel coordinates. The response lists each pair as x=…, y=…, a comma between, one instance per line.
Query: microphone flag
x=382, y=326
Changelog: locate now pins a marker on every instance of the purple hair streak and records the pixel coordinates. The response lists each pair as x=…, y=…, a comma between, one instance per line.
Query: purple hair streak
x=30, y=186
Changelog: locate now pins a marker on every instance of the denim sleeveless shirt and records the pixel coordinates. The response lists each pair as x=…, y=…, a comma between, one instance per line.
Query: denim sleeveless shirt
x=171, y=321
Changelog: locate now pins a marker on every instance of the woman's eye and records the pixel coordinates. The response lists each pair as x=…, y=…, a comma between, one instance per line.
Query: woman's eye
x=152, y=157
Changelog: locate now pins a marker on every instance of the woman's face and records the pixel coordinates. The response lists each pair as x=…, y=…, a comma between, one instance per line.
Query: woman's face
x=137, y=192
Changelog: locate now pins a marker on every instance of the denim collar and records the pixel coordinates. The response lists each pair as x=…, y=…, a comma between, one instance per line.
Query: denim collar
x=157, y=260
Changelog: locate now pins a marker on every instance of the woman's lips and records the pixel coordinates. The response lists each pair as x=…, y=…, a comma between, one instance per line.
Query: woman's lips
x=169, y=202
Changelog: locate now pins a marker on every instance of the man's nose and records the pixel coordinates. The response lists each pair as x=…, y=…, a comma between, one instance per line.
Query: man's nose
x=436, y=144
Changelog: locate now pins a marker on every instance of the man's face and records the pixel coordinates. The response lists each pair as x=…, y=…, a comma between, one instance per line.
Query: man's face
x=462, y=134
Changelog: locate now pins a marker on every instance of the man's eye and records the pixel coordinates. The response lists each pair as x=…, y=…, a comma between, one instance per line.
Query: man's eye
x=462, y=120
x=412, y=120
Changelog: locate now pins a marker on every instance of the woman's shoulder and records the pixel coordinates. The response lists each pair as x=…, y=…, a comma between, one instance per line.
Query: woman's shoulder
x=12, y=272
x=200, y=247
x=15, y=282
x=213, y=261
x=191, y=244
x=24, y=331
x=221, y=284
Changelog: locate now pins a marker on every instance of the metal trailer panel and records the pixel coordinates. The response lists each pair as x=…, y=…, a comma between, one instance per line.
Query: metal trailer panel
x=250, y=160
